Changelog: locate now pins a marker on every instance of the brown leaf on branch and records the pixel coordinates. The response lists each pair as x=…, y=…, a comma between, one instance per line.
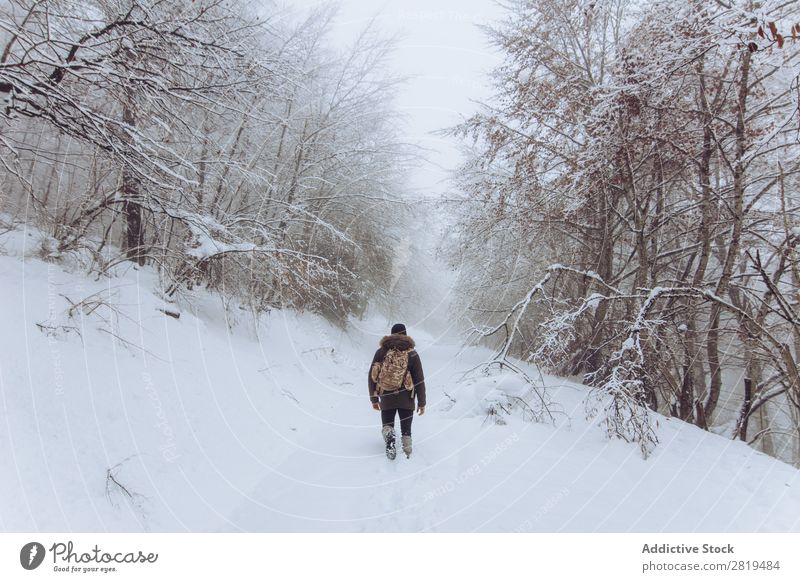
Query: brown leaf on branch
x=773, y=29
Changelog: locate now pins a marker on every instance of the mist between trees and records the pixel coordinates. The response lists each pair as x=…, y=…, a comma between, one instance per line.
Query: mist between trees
x=630, y=210
x=221, y=142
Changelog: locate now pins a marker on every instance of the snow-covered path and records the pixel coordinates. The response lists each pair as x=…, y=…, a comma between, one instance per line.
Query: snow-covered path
x=124, y=419
x=470, y=474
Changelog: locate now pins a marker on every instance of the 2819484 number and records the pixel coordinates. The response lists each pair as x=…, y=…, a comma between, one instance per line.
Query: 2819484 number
x=755, y=565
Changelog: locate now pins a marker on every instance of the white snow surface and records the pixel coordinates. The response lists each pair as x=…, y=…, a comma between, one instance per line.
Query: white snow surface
x=126, y=419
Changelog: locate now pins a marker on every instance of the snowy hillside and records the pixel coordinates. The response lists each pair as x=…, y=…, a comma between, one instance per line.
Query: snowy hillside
x=119, y=417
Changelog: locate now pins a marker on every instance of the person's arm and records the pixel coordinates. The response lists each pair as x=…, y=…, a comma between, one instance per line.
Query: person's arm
x=418, y=376
x=371, y=384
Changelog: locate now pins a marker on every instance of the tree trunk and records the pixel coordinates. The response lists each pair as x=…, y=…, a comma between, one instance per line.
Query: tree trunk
x=605, y=263
x=736, y=236
x=744, y=413
x=792, y=261
x=134, y=226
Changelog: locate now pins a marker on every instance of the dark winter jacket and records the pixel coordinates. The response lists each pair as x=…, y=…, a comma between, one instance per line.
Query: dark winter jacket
x=402, y=398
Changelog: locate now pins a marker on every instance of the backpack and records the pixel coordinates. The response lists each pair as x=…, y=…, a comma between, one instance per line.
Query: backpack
x=392, y=374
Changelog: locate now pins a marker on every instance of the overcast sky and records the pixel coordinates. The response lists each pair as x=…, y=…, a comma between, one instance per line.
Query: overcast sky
x=447, y=57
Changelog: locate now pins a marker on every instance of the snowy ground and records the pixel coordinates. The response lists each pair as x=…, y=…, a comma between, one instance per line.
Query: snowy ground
x=126, y=419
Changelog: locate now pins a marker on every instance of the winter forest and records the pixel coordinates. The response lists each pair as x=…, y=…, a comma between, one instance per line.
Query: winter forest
x=633, y=195
x=625, y=213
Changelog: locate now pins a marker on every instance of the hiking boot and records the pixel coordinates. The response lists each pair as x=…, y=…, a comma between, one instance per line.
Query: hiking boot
x=388, y=438
x=406, y=441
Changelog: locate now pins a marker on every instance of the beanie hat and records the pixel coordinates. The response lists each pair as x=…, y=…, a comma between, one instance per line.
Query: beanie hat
x=399, y=328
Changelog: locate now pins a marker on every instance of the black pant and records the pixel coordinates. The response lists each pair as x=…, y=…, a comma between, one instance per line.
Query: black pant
x=406, y=416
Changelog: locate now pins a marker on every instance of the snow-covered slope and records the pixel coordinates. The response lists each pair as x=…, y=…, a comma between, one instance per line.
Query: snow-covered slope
x=117, y=417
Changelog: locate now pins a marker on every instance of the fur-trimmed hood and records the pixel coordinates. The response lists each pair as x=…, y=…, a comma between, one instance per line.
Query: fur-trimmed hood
x=397, y=341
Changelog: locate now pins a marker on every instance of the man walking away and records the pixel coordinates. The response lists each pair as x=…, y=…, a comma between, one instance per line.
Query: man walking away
x=395, y=380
